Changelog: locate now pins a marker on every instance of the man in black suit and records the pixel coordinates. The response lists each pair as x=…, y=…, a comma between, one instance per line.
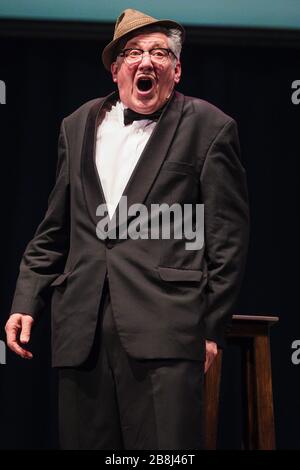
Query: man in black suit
x=137, y=317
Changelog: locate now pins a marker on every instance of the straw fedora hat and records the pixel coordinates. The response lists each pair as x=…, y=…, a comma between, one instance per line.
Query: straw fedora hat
x=128, y=21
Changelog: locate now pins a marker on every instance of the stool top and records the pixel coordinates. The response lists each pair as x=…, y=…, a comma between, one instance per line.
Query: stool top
x=255, y=318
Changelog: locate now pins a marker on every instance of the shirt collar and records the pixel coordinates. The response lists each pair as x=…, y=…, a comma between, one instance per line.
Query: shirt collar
x=136, y=124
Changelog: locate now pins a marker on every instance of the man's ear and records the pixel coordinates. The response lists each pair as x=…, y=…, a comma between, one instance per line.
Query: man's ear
x=177, y=72
x=114, y=71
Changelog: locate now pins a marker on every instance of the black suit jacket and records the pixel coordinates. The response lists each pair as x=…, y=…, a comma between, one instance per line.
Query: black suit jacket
x=166, y=299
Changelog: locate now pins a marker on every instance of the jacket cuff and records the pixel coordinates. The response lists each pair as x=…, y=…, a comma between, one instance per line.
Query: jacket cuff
x=28, y=305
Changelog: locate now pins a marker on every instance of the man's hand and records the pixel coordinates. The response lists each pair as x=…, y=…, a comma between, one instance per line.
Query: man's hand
x=211, y=352
x=18, y=329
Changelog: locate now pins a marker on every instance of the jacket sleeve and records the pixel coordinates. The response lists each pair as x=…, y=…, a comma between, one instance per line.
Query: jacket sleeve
x=226, y=225
x=45, y=255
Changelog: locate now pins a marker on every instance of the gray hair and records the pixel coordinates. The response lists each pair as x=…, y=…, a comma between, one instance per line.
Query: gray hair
x=174, y=37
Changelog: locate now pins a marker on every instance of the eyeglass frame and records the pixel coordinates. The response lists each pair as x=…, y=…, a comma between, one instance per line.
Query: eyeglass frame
x=122, y=53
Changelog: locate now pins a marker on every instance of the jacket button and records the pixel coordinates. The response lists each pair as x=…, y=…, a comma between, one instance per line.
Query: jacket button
x=109, y=244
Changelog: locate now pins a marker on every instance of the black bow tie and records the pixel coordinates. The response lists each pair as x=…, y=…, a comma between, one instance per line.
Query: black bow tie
x=130, y=116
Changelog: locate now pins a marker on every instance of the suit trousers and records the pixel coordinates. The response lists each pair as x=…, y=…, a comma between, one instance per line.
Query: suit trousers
x=115, y=402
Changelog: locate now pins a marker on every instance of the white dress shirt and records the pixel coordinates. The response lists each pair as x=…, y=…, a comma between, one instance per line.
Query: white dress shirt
x=118, y=149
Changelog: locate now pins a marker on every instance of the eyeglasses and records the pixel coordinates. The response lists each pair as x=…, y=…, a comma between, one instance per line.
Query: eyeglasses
x=158, y=55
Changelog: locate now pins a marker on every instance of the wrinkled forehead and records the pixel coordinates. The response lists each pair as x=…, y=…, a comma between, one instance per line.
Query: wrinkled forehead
x=146, y=41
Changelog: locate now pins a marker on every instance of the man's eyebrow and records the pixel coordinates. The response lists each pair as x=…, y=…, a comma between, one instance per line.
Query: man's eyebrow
x=139, y=46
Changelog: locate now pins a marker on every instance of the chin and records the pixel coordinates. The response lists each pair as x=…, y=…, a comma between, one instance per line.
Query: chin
x=148, y=105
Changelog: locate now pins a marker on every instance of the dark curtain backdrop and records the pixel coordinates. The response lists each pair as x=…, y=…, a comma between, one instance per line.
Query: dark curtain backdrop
x=47, y=79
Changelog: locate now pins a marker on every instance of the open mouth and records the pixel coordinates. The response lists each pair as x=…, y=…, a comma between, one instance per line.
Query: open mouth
x=144, y=84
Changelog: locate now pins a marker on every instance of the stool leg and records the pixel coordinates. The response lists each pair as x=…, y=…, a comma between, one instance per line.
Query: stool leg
x=249, y=425
x=211, y=402
x=264, y=393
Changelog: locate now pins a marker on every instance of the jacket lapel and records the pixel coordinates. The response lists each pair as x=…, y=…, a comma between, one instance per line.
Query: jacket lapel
x=92, y=188
x=154, y=153
x=151, y=160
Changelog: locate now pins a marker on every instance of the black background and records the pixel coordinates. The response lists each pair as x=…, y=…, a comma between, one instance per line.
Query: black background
x=48, y=75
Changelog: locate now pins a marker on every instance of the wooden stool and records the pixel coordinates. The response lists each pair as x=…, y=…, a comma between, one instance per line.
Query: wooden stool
x=251, y=334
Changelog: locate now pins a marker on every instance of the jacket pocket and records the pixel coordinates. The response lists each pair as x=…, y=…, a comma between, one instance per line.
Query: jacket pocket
x=60, y=279
x=175, y=274
x=180, y=167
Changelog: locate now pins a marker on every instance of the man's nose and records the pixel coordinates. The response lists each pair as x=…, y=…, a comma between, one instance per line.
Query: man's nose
x=146, y=61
